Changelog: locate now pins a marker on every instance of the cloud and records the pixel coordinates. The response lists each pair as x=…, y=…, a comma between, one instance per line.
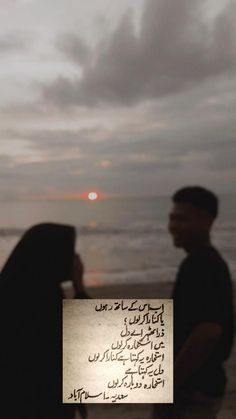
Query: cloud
x=74, y=48
x=191, y=129
x=12, y=42
x=176, y=49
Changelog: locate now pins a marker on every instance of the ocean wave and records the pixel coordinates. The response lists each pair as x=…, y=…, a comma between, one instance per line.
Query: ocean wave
x=142, y=275
x=107, y=230
x=225, y=227
x=11, y=231
x=93, y=230
x=136, y=229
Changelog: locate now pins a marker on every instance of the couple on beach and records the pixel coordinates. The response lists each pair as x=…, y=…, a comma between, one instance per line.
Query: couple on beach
x=31, y=317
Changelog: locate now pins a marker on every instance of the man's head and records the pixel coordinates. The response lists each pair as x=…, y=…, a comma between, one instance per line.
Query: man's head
x=191, y=218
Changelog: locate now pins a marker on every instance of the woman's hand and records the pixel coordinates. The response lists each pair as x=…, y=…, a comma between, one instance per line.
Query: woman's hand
x=77, y=274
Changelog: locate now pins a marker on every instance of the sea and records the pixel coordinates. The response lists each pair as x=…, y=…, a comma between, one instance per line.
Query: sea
x=120, y=240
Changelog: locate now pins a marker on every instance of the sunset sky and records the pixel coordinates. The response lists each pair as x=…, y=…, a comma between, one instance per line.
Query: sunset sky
x=127, y=97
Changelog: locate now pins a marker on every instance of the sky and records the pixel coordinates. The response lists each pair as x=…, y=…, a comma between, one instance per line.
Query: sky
x=132, y=97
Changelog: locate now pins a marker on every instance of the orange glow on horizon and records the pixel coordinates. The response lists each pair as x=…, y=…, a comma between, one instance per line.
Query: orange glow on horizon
x=72, y=196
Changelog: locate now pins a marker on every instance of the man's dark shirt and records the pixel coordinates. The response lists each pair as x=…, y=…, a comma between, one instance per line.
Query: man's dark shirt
x=203, y=293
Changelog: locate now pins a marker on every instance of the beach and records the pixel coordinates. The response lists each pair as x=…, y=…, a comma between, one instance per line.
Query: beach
x=125, y=247
x=143, y=411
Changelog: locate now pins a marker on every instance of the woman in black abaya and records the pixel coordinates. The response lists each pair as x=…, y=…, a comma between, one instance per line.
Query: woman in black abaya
x=31, y=322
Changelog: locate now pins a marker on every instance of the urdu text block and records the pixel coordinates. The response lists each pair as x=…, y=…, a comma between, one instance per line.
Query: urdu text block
x=118, y=351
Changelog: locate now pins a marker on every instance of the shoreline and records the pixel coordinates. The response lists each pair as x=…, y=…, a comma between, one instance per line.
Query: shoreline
x=149, y=290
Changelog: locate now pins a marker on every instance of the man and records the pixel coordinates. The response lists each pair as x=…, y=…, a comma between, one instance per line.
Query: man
x=203, y=310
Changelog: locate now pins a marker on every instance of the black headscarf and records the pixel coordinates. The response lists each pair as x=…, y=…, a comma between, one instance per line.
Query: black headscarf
x=42, y=258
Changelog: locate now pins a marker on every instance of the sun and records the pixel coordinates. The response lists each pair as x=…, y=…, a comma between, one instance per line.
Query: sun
x=92, y=196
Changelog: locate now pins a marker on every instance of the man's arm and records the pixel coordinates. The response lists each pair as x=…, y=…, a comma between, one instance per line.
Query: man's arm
x=195, y=351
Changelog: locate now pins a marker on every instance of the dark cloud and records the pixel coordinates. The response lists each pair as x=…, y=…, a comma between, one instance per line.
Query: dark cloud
x=177, y=48
x=193, y=133
x=12, y=42
x=74, y=48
